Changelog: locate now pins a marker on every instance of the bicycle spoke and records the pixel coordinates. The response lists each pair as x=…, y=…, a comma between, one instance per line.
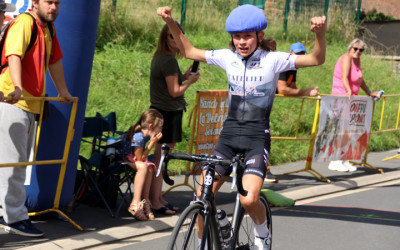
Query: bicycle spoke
x=245, y=231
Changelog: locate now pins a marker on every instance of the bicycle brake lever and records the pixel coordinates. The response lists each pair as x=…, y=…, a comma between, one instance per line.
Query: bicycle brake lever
x=160, y=165
x=164, y=151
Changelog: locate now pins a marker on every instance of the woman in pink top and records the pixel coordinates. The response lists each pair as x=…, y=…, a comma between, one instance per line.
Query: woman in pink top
x=347, y=80
x=348, y=77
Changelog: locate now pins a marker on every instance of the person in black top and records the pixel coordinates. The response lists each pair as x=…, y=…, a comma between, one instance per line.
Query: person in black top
x=287, y=80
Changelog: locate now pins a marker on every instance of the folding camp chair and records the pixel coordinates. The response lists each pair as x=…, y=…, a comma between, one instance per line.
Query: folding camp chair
x=104, y=178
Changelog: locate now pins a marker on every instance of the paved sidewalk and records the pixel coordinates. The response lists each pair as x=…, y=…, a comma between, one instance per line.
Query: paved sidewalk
x=100, y=227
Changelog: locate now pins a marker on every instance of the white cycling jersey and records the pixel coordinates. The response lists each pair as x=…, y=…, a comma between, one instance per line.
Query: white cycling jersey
x=252, y=81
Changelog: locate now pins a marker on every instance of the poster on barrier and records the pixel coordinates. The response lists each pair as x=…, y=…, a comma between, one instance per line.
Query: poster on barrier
x=344, y=128
x=212, y=112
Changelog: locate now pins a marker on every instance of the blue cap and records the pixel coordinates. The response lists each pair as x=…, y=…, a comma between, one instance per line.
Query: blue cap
x=297, y=47
x=246, y=18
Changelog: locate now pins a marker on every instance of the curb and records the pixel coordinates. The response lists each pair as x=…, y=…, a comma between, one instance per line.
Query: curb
x=93, y=239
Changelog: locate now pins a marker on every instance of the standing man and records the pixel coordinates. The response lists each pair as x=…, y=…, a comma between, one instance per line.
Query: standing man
x=287, y=80
x=25, y=76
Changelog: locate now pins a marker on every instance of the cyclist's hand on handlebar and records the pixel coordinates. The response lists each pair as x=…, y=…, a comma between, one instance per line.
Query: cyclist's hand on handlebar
x=165, y=13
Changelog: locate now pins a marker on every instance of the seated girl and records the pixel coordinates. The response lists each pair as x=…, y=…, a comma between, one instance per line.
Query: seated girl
x=147, y=129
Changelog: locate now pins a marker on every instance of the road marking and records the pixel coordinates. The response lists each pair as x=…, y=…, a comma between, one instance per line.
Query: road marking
x=132, y=241
x=369, y=216
x=346, y=192
x=312, y=202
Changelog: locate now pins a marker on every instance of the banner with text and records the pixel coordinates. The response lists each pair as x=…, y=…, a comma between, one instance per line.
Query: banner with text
x=344, y=128
x=212, y=113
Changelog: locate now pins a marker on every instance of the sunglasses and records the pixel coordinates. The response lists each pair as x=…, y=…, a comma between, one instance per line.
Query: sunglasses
x=356, y=49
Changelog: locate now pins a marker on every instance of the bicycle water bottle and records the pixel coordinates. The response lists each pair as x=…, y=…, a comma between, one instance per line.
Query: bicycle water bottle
x=380, y=93
x=224, y=224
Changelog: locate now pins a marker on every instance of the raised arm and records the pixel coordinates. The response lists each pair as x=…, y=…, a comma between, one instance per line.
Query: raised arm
x=184, y=45
x=317, y=56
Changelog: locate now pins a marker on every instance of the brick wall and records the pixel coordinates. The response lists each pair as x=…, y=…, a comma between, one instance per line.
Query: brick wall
x=387, y=7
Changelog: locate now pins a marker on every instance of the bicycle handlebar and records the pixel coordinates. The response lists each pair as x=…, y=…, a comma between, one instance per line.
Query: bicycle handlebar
x=166, y=156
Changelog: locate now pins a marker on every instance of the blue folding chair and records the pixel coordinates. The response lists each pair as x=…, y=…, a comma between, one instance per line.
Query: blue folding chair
x=104, y=176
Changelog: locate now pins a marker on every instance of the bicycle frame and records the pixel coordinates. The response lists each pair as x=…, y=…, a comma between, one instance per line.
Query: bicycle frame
x=207, y=208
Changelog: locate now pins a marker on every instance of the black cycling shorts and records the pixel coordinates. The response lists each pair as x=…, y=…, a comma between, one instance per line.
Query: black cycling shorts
x=249, y=138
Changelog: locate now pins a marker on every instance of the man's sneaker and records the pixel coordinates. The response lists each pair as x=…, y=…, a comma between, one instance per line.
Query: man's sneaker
x=270, y=177
x=24, y=228
x=262, y=243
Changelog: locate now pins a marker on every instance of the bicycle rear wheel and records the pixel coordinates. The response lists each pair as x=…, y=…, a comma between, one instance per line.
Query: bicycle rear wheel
x=185, y=233
x=245, y=230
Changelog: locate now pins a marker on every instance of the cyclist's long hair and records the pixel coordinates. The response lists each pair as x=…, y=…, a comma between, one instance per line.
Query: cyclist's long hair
x=150, y=116
x=162, y=46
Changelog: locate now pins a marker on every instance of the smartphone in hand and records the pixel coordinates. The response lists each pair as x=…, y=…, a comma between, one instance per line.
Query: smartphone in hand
x=195, y=66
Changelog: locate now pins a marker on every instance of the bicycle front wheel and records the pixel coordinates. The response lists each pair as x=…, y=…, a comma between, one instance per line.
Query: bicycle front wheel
x=185, y=234
x=245, y=229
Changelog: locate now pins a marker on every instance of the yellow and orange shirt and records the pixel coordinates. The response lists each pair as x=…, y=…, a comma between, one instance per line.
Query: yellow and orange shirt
x=34, y=66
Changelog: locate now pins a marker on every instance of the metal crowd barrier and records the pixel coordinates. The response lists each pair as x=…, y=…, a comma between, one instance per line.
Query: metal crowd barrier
x=62, y=162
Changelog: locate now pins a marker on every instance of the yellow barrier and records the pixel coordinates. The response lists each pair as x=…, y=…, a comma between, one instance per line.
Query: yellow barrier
x=308, y=168
x=388, y=128
x=63, y=161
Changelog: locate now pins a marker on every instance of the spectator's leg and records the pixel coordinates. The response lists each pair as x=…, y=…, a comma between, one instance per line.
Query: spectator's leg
x=16, y=131
x=155, y=195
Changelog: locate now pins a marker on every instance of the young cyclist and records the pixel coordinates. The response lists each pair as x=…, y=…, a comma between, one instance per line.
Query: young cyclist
x=148, y=128
x=252, y=74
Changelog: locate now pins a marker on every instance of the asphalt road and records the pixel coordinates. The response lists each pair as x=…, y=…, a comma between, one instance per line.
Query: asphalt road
x=363, y=218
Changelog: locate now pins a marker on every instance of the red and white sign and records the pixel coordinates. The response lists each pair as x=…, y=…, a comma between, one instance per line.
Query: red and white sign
x=344, y=128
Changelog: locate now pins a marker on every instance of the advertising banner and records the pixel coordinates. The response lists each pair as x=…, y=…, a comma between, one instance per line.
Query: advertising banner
x=212, y=113
x=344, y=128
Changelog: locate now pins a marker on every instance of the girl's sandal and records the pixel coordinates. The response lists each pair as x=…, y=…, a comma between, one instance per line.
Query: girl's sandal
x=147, y=209
x=137, y=211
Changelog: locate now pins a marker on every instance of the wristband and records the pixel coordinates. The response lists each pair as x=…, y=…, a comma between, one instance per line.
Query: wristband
x=368, y=92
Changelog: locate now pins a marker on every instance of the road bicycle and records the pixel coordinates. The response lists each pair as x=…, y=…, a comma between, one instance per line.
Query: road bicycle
x=203, y=211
